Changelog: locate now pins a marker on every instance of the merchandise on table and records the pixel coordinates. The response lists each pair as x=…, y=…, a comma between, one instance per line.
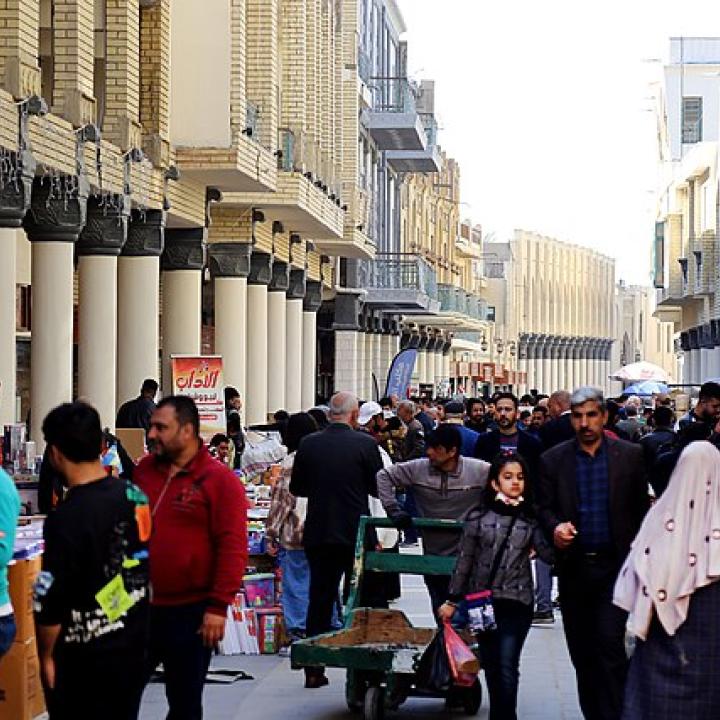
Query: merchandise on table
x=260, y=590
x=269, y=629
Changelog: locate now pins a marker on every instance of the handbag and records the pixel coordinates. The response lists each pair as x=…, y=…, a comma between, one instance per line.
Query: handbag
x=481, y=614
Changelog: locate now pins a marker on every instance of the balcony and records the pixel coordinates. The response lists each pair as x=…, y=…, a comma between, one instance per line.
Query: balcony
x=357, y=241
x=307, y=200
x=394, y=122
x=427, y=160
x=244, y=166
x=460, y=310
x=399, y=282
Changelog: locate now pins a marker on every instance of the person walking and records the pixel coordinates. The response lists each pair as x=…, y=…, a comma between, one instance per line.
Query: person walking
x=198, y=550
x=284, y=527
x=630, y=427
x=707, y=409
x=91, y=597
x=495, y=555
x=662, y=435
x=335, y=470
x=592, y=497
x=455, y=415
x=447, y=486
x=137, y=413
x=669, y=586
x=508, y=436
x=9, y=511
x=476, y=419
x=413, y=446
x=558, y=428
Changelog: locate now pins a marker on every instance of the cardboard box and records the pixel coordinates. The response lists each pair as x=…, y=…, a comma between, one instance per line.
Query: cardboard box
x=21, y=694
x=21, y=576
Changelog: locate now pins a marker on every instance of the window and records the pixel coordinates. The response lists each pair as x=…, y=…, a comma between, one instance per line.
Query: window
x=22, y=308
x=691, y=120
x=491, y=313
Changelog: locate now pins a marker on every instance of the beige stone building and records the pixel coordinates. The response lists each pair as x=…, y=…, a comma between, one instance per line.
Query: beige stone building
x=559, y=310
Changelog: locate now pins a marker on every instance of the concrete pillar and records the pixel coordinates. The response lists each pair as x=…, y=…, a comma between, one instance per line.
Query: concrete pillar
x=139, y=303
x=98, y=248
x=52, y=224
x=229, y=265
x=421, y=366
x=294, y=340
x=311, y=304
x=349, y=342
x=277, y=336
x=8, y=371
x=182, y=265
x=555, y=365
x=570, y=366
x=368, y=384
x=547, y=369
x=256, y=389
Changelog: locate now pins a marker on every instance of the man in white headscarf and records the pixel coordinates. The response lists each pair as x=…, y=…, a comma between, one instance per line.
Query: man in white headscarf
x=668, y=586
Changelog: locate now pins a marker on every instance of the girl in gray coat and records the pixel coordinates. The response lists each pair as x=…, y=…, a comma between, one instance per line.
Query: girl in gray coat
x=498, y=543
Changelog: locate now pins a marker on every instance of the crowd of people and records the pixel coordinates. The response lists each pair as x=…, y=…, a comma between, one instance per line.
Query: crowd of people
x=619, y=502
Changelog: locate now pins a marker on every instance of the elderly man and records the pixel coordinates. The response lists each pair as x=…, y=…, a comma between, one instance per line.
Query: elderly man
x=413, y=446
x=558, y=428
x=335, y=470
x=592, y=498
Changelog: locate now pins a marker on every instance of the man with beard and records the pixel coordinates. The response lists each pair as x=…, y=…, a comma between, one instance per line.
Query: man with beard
x=707, y=409
x=476, y=419
x=198, y=550
x=509, y=436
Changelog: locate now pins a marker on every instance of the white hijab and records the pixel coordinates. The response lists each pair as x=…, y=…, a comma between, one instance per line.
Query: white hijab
x=677, y=549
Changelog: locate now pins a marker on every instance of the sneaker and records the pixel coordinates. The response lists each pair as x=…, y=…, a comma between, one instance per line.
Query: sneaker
x=543, y=618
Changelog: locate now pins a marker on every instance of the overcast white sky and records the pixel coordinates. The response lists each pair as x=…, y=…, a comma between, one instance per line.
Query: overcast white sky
x=543, y=102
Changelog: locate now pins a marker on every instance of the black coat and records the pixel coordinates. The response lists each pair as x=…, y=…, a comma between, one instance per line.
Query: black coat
x=556, y=431
x=557, y=495
x=335, y=470
x=487, y=448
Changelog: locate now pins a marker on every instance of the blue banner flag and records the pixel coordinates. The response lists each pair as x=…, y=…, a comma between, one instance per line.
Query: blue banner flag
x=401, y=371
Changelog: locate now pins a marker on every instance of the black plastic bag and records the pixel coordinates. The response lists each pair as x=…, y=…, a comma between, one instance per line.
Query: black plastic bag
x=433, y=671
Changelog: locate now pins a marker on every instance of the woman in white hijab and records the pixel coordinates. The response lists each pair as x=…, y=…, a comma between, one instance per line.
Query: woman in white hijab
x=668, y=586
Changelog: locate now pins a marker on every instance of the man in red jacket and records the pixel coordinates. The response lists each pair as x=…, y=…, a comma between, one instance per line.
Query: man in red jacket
x=198, y=550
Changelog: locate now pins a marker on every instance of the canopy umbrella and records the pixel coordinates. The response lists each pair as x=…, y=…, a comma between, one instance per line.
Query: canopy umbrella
x=646, y=388
x=641, y=371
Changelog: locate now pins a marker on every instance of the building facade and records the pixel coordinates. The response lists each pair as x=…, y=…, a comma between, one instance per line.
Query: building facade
x=559, y=305
x=686, y=256
x=639, y=334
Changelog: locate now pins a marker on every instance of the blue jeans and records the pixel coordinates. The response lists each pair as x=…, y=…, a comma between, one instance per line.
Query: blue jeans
x=500, y=652
x=295, y=589
x=7, y=633
x=410, y=507
x=543, y=586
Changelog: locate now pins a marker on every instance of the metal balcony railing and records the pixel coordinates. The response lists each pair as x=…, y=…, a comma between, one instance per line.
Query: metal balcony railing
x=399, y=271
x=252, y=121
x=431, y=128
x=393, y=95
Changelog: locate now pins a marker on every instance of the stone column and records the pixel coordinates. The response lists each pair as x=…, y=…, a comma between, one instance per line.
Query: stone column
x=311, y=304
x=598, y=363
x=98, y=249
x=349, y=342
x=369, y=355
x=556, y=356
x=294, y=341
x=8, y=371
x=694, y=356
x=378, y=363
x=277, y=336
x=531, y=369
x=522, y=364
x=13, y=206
x=547, y=365
x=539, y=367
x=570, y=365
x=139, y=303
x=706, y=352
x=229, y=265
x=256, y=388
x=182, y=265
x=685, y=347
x=715, y=352
x=53, y=224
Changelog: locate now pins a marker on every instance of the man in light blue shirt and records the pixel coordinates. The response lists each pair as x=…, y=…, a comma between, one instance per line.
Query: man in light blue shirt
x=9, y=511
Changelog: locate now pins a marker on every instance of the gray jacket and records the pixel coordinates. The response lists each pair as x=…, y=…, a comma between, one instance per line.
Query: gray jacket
x=483, y=535
x=438, y=495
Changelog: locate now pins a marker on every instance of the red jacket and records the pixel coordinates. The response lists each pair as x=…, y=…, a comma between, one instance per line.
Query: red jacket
x=198, y=547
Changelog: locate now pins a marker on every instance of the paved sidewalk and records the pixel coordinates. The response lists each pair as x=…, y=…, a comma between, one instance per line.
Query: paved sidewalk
x=547, y=684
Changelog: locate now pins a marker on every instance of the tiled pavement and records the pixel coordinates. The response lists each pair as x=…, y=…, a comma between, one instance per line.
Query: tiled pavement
x=547, y=683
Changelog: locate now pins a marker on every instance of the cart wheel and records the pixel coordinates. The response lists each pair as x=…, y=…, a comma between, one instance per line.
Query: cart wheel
x=355, y=687
x=472, y=699
x=375, y=703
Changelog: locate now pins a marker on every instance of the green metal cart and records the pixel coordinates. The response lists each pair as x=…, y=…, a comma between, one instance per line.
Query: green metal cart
x=380, y=649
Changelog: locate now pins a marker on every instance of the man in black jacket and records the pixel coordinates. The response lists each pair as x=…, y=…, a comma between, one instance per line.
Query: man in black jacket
x=335, y=470
x=592, y=498
x=559, y=428
x=137, y=413
x=508, y=435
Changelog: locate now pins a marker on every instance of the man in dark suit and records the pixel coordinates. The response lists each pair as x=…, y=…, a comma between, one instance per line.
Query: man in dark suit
x=335, y=470
x=559, y=428
x=592, y=497
x=508, y=435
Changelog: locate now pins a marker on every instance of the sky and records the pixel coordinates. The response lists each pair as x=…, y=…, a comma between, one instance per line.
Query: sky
x=547, y=105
